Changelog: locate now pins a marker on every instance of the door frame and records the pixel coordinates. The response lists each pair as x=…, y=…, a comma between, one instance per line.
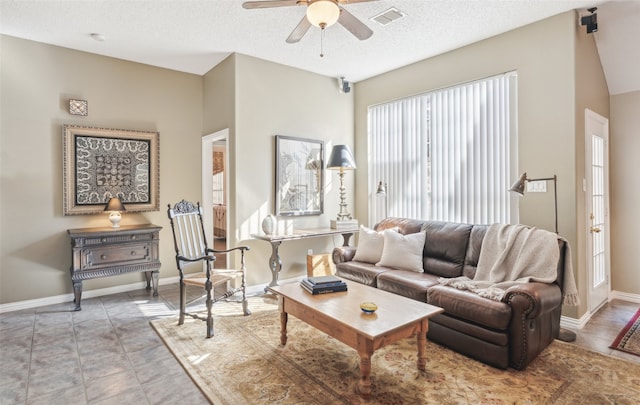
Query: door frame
x=591, y=118
x=207, y=179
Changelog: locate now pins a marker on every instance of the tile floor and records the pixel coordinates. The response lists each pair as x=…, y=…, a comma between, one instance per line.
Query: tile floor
x=108, y=354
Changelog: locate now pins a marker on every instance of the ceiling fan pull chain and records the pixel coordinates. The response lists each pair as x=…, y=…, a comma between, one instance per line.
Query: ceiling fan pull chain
x=322, y=43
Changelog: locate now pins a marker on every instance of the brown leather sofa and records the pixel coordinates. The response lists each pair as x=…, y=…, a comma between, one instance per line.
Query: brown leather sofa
x=509, y=333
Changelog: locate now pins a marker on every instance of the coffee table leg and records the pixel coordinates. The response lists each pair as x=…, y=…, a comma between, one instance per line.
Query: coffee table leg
x=422, y=344
x=283, y=327
x=364, y=384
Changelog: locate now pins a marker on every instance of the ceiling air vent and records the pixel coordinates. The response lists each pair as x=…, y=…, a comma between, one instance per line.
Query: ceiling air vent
x=387, y=17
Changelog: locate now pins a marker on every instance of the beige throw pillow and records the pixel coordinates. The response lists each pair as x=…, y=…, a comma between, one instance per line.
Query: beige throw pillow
x=369, y=247
x=403, y=251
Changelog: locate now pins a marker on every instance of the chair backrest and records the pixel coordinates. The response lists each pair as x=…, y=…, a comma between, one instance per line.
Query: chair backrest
x=188, y=231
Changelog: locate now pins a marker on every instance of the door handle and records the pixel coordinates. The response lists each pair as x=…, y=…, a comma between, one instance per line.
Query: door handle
x=595, y=229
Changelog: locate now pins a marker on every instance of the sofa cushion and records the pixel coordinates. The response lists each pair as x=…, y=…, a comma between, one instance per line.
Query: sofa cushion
x=470, y=307
x=370, y=245
x=445, y=248
x=407, y=283
x=363, y=273
x=402, y=251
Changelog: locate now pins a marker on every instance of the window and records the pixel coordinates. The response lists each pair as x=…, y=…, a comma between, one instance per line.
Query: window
x=445, y=155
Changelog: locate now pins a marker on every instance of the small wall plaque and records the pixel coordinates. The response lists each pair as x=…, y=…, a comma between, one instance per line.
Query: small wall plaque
x=78, y=107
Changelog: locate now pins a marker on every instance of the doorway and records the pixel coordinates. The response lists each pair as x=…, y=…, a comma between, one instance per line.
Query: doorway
x=597, y=208
x=214, y=191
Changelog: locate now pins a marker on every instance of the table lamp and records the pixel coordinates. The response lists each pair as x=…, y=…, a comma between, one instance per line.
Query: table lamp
x=342, y=159
x=115, y=206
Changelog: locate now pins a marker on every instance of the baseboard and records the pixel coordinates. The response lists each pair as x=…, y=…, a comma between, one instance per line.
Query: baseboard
x=572, y=323
x=619, y=295
x=68, y=298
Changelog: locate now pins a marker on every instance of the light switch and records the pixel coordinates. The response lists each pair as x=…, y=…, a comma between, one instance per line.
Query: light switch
x=537, y=186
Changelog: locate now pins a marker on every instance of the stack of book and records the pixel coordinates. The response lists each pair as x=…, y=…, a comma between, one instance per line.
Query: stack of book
x=323, y=284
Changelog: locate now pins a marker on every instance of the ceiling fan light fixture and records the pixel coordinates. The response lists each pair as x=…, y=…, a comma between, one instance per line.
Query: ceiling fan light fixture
x=323, y=13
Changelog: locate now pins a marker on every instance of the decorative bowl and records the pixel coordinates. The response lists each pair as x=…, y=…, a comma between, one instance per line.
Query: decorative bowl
x=368, y=307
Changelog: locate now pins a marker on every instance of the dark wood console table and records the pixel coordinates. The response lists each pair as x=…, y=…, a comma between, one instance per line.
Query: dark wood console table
x=275, y=263
x=107, y=251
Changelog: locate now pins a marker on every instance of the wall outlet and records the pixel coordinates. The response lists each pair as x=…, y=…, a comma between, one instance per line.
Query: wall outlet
x=537, y=186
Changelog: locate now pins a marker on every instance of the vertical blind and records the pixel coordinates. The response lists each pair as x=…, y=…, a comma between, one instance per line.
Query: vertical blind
x=445, y=155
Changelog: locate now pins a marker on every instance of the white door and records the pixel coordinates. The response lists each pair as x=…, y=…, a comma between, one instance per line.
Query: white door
x=597, y=204
x=208, y=142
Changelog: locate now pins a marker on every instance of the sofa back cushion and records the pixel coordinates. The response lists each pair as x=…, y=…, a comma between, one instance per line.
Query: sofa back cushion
x=445, y=246
x=473, y=250
x=405, y=226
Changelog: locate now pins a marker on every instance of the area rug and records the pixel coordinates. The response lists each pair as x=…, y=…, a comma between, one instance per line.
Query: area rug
x=628, y=339
x=245, y=364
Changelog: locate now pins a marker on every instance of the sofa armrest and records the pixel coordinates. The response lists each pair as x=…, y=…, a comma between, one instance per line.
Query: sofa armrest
x=343, y=254
x=535, y=320
x=533, y=299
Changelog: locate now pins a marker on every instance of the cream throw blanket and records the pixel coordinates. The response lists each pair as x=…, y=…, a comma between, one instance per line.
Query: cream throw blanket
x=516, y=254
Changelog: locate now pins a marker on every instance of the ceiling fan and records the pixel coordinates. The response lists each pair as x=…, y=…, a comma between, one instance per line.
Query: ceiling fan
x=321, y=13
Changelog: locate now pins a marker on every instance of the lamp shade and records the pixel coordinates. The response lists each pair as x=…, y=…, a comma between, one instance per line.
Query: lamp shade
x=341, y=158
x=518, y=186
x=114, y=204
x=323, y=13
x=381, y=190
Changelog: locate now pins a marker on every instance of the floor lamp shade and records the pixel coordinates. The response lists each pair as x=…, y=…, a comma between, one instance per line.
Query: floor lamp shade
x=381, y=191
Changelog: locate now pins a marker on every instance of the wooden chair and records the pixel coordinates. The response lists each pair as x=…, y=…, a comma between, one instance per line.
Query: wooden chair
x=191, y=247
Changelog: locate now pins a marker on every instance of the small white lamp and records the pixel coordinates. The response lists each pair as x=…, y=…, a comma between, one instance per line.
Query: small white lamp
x=115, y=206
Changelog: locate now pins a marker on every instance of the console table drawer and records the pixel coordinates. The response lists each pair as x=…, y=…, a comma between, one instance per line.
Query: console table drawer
x=116, y=255
x=113, y=239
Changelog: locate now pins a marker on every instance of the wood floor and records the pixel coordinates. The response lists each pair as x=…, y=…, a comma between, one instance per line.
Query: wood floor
x=108, y=354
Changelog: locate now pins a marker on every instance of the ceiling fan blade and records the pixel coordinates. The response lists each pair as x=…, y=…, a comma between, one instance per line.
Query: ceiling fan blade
x=271, y=3
x=299, y=31
x=353, y=25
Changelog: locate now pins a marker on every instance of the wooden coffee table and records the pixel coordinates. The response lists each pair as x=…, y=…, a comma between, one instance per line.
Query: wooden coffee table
x=338, y=315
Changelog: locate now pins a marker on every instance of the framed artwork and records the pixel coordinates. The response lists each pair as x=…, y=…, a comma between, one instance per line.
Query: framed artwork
x=101, y=163
x=299, y=176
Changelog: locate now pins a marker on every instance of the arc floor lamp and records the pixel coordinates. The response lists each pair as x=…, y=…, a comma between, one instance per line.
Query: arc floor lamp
x=519, y=186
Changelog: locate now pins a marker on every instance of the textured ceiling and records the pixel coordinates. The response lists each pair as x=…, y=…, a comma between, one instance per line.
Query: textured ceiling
x=195, y=35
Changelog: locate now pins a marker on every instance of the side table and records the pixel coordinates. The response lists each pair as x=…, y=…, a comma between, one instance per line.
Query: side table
x=107, y=251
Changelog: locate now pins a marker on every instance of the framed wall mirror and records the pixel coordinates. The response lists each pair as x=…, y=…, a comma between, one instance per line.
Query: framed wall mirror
x=299, y=176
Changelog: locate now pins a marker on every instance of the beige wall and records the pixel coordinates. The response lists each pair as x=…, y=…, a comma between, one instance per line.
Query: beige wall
x=544, y=55
x=591, y=93
x=273, y=99
x=36, y=82
x=624, y=139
